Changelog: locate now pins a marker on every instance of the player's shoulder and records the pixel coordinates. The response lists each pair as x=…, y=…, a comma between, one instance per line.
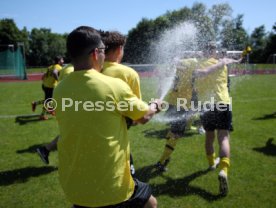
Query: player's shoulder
x=129, y=70
x=111, y=81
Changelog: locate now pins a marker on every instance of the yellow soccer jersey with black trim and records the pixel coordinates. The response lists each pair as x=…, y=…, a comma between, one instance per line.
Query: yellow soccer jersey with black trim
x=94, y=168
x=65, y=71
x=49, y=79
x=214, y=84
x=183, y=82
x=125, y=73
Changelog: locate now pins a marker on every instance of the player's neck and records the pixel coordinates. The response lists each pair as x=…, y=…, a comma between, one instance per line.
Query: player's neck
x=79, y=66
x=112, y=58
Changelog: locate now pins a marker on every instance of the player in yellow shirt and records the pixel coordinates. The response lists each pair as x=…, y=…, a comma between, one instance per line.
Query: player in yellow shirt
x=45, y=150
x=211, y=83
x=115, y=42
x=65, y=72
x=112, y=67
x=49, y=82
x=183, y=87
x=93, y=149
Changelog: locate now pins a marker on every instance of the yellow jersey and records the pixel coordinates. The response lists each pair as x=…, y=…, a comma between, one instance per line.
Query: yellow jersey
x=48, y=78
x=65, y=71
x=125, y=73
x=183, y=82
x=214, y=84
x=94, y=166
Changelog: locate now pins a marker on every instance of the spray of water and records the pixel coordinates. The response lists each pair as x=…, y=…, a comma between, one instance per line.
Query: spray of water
x=171, y=46
x=180, y=42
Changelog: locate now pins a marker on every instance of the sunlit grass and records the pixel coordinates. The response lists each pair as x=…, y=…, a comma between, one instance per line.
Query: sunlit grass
x=25, y=182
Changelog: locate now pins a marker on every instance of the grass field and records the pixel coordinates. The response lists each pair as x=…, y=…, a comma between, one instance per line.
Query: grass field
x=25, y=182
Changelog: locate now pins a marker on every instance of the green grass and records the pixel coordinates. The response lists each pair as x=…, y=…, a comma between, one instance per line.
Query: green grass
x=36, y=70
x=254, y=66
x=25, y=182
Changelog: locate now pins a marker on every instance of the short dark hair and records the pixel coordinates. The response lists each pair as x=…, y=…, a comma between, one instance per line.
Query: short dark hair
x=57, y=59
x=82, y=40
x=112, y=40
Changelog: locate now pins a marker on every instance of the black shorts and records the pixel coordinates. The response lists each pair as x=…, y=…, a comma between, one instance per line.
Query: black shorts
x=178, y=119
x=139, y=198
x=217, y=118
x=48, y=92
x=129, y=122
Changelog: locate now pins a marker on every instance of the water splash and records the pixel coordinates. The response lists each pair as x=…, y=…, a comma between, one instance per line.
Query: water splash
x=171, y=46
x=180, y=42
x=163, y=118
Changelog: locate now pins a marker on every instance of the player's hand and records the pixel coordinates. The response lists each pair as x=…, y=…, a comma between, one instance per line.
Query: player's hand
x=157, y=105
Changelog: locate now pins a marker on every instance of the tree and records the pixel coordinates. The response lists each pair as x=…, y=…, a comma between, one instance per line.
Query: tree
x=270, y=47
x=233, y=35
x=258, y=41
x=9, y=33
x=44, y=46
x=218, y=14
x=203, y=23
x=138, y=44
x=143, y=37
x=178, y=16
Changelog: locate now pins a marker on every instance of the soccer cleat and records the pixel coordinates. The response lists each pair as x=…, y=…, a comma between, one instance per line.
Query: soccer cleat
x=44, y=154
x=162, y=167
x=201, y=130
x=223, y=183
x=33, y=106
x=53, y=113
x=43, y=117
x=213, y=167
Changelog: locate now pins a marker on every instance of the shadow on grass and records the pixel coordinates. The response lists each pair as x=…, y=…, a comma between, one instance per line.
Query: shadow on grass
x=182, y=187
x=176, y=187
x=23, y=174
x=146, y=173
x=153, y=133
x=269, y=148
x=22, y=120
x=161, y=134
x=266, y=116
x=30, y=149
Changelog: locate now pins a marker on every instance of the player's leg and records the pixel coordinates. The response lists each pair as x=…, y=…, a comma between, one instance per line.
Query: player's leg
x=208, y=122
x=36, y=103
x=210, y=151
x=176, y=131
x=224, y=126
x=47, y=105
x=44, y=151
x=168, y=150
x=223, y=138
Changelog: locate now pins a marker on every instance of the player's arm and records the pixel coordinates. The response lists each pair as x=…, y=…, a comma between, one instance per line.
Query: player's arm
x=137, y=109
x=55, y=74
x=215, y=67
x=135, y=86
